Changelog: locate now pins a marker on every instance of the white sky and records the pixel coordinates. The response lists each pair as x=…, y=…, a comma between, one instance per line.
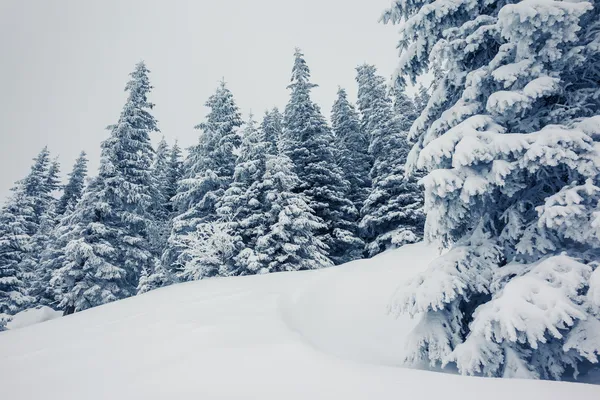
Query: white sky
x=64, y=64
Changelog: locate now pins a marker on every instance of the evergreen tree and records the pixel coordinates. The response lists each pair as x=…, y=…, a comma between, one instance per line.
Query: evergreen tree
x=421, y=97
x=154, y=278
x=16, y=224
x=308, y=141
x=173, y=175
x=160, y=170
x=209, y=251
x=39, y=278
x=272, y=130
x=20, y=220
x=241, y=207
x=352, y=146
x=108, y=242
x=393, y=211
x=74, y=188
x=159, y=229
x=509, y=138
x=57, y=233
x=290, y=243
x=209, y=170
x=244, y=204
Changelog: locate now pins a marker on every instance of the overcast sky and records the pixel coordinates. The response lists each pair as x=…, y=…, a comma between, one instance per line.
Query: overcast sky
x=64, y=64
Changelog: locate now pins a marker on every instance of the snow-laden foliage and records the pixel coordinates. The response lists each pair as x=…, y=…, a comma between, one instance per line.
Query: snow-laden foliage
x=74, y=188
x=25, y=220
x=209, y=251
x=509, y=138
x=291, y=242
x=108, y=232
x=16, y=225
x=392, y=214
x=208, y=171
x=351, y=146
x=243, y=205
x=154, y=278
x=308, y=141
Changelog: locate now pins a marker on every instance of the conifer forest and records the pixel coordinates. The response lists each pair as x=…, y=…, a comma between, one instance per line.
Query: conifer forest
x=481, y=152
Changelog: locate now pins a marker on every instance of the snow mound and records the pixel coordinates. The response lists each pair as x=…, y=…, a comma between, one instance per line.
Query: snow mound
x=303, y=335
x=32, y=316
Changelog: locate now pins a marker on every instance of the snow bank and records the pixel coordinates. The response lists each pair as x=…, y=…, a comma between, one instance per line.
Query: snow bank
x=32, y=316
x=303, y=335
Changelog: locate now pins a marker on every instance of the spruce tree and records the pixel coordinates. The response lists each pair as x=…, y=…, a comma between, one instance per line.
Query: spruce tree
x=20, y=220
x=290, y=243
x=271, y=130
x=74, y=188
x=160, y=170
x=243, y=205
x=239, y=207
x=173, y=175
x=108, y=243
x=16, y=224
x=392, y=214
x=308, y=141
x=39, y=281
x=209, y=170
x=352, y=148
x=509, y=138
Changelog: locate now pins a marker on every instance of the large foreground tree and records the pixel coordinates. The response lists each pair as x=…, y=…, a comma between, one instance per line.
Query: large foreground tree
x=510, y=137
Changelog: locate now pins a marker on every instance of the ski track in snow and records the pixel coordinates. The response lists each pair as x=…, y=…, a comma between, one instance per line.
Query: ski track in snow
x=304, y=335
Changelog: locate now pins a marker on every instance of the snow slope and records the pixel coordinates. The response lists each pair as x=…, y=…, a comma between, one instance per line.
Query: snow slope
x=303, y=335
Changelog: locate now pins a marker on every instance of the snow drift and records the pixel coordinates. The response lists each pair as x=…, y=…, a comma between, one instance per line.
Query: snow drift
x=305, y=335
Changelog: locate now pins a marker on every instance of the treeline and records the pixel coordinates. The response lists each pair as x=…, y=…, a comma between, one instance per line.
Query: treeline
x=288, y=193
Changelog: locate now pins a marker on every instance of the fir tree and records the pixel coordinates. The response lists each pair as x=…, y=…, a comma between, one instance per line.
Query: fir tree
x=74, y=188
x=509, y=138
x=352, y=146
x=290, y=243
x=209, y=170
x=108, y=242
x=393, y=211
x=241, y=207
x=160, y=171
x=25, y=221
x=272, y=130
x=308, y=141
x=40, y=276
x=16, y=224
x=154, y=278
x=173, y=175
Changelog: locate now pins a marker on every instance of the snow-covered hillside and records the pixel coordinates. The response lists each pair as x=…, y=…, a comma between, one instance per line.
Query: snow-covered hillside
x=303, y=335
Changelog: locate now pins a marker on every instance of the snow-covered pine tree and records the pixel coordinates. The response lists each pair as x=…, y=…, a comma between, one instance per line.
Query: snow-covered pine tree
x=241, y=206
x=308, y=141
x=271, y=130
x=159, y=229
x=154, y=278
x=209, y=170
x=392, y=214
x=510, y=139
x=291, y=242
x=173, y=175
x=160, y=168
x=20, y=220
x=53, y=253
x=74, y=188
x=108, y=241
x=421, y=97
x=17, y=221
x=352, y=147
x=39, y=281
